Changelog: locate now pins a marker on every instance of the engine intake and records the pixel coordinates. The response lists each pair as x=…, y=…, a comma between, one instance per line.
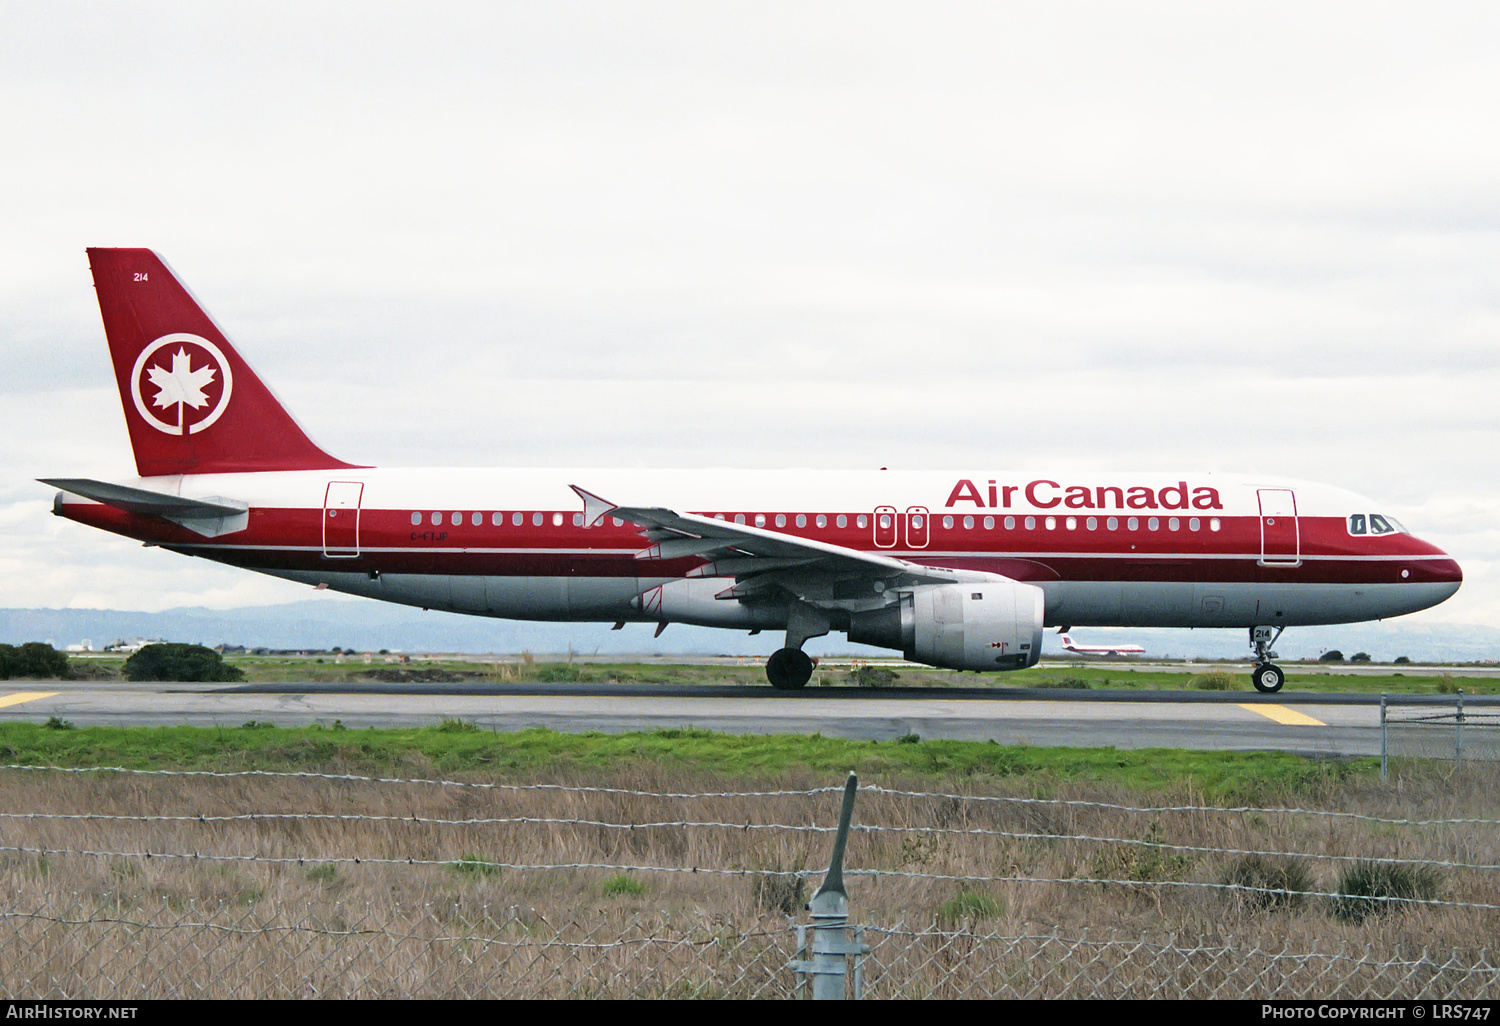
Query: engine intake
x=980, y=626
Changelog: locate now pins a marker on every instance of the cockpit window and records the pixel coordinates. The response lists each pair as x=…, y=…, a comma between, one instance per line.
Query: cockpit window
x=1374, y=523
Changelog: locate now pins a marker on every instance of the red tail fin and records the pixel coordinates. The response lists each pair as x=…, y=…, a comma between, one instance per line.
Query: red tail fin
x=192, y=404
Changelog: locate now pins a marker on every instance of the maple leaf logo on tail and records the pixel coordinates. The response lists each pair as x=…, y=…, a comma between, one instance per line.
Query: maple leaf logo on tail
x=192, y=390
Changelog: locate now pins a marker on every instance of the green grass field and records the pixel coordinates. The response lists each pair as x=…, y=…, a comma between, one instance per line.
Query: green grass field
x=455, y=749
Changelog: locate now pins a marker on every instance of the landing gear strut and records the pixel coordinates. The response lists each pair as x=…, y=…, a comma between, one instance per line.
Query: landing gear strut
x=790, y=668
x=1267, y=676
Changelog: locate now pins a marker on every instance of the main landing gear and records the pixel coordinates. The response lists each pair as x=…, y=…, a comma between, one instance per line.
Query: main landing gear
x=1267, y=676
x=790, y=668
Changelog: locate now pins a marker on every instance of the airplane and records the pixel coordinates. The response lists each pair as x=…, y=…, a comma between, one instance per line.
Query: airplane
x=961, y=570
x=1100, y=650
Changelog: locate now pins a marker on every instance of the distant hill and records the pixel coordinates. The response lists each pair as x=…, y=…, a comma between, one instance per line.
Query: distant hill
x=370, y=626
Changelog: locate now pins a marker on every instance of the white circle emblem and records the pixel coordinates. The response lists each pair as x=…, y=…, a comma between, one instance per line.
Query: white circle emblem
x=189, y=386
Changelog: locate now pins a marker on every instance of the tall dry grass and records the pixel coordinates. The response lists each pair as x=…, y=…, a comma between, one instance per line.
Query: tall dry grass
x=422, y=913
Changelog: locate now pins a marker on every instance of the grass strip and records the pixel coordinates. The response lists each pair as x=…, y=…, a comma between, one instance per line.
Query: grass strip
x=455, y=750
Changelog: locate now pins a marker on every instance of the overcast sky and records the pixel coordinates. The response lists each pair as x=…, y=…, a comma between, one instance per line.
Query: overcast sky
x=1260, y=237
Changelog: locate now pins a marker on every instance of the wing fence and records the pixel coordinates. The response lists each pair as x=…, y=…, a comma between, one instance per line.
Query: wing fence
x=129, y=884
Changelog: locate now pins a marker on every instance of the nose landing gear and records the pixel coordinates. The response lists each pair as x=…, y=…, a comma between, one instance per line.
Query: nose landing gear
x=1267, y=676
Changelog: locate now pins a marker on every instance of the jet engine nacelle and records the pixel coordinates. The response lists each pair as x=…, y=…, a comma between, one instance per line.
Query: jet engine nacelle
x=978, y=626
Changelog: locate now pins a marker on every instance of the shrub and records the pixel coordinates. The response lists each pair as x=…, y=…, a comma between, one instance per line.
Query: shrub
x=561, y=673
x=969, y=907
x=33, y=659
x=785, y=893
x=1377, y=888
x=473, y=865
x=1272, y=885
x=326, y=874
x=1402, y=660
x=1075, y=683
x=873, y=676
x=180, y=662
x=1360, y=657
x=617, y=886
x=1214, y=680
x=1333, y=655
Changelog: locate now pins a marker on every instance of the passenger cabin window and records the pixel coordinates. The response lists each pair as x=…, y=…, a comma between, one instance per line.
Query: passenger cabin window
x=822, y=520
x=416, y=519
x=517, y=519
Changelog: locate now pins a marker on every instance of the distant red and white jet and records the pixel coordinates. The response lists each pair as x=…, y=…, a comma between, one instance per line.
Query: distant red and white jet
x=954, y=569
x=1100, y=650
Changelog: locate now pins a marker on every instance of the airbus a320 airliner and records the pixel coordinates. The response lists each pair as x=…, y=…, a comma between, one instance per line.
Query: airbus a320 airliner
x=961, y=570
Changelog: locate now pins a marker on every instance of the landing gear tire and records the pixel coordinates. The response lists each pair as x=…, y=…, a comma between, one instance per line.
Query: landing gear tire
x=1268, y=679
x=789, y=669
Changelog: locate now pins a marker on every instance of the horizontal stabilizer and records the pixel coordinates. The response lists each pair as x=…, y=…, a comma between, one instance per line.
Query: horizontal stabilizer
x=209, y=517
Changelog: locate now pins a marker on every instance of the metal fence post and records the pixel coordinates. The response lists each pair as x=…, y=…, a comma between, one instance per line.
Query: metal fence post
x=832, y=943
x=1458, y=731
x=1384, y=747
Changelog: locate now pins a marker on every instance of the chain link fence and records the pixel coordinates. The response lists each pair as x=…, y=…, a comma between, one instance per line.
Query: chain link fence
x=128, y=885
x=68, y=951
x=1439, y=729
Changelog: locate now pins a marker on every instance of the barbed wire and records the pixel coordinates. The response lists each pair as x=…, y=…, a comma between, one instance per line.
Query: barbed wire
x=435, y=782
x=384, y=931
x=1160, y=809
x=1367, y=958
x=468, y=863
x=865, y=789
x=979, y=832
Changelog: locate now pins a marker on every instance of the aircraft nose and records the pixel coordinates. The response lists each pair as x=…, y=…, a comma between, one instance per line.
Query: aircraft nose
x=1447, y=571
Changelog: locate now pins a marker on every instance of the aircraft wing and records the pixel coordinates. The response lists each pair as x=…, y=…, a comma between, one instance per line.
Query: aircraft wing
x=761, y=560
x=210, y=517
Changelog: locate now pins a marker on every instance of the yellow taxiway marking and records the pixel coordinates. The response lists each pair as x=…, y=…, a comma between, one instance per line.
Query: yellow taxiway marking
x=24, y=696
x=1281, y=714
